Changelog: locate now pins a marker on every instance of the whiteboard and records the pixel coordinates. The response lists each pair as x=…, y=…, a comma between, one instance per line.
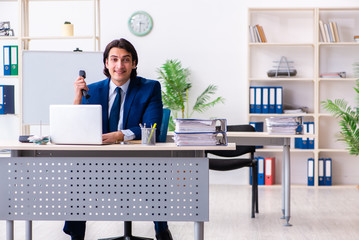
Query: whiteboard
x=48, y=78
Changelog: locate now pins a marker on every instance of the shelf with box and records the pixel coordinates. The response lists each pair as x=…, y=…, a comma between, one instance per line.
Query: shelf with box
x=32, y=32
x=324, y=71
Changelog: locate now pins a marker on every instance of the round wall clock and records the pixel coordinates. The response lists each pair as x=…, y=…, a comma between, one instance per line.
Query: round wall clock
x=140, y=23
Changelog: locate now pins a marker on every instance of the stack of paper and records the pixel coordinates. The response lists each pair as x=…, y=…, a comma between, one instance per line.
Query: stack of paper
x=282, y=125
x=200, y=132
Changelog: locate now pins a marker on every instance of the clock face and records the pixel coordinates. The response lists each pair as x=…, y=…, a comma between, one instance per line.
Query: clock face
x=140, y=23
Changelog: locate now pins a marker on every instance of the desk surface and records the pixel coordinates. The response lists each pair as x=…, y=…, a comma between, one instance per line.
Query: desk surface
x=15, y=145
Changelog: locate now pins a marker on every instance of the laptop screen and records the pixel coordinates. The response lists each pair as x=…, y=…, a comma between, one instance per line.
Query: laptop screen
x=76, y=124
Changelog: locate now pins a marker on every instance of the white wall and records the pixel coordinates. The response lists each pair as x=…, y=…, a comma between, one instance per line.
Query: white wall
x=209, y=37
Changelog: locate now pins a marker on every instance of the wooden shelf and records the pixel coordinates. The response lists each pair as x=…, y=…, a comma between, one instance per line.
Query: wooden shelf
x=325, y=57
x=59, y=38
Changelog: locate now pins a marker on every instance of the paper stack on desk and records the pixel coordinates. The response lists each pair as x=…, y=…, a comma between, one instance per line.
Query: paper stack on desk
x=200, y=132
x=283, y=125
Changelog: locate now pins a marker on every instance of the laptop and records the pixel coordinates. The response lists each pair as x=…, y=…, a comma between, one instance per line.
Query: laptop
x=76, y=124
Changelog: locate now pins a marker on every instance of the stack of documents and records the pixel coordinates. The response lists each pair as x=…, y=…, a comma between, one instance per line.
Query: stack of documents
x=282, y=125
x=200, y=132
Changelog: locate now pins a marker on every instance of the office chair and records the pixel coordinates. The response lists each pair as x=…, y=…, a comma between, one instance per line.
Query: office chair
x=127, y=232
x=233, y=161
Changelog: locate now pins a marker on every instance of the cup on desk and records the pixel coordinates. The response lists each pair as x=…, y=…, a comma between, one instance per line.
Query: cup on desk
x=148, y=136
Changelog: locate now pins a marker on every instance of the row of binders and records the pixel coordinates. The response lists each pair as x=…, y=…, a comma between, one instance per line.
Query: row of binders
x=10, y=60
x=7, y=105
x=266, y=171
x=304, y=142
x=266, y=99
x=200, y=132
x=324, y=171
x=329, y=31
x=256, y=34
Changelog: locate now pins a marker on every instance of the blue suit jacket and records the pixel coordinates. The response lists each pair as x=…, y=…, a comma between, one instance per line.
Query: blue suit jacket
x=143, y=103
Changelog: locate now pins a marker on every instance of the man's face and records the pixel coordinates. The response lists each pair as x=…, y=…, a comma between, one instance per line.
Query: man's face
x=119, y=64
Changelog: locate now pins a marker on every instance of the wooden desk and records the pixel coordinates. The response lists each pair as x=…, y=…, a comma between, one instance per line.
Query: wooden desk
x=82, y=182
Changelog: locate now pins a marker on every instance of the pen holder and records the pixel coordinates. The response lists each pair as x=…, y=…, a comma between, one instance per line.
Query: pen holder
x=148, y=136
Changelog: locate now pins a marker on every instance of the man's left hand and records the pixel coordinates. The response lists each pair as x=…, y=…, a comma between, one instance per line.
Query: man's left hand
x=112, y=137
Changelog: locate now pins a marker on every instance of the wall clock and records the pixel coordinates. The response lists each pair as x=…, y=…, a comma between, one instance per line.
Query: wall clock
x=140, y=23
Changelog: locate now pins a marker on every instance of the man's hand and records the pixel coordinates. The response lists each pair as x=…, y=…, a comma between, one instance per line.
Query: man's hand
x=112, y=137
x=79, y=85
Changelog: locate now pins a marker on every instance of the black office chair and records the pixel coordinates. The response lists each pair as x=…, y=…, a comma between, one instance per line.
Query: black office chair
x=127, y=232
x=235, y=162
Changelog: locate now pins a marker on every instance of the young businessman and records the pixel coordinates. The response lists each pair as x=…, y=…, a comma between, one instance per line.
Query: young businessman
x=127, y=100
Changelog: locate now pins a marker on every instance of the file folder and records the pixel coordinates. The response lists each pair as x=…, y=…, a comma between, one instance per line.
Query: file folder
x=251, y=100
x=328, y=171
x=272, y=108
x=14, y=60
x=265, y=96
x=310, y=171
x=310, y=131
x=321, y=172
x=279, y=100
x=258, y=100
x=305, y=139
x=6, y=59
x=298, y=143
x=261, y=169
x=270, y=171
x=7, y=105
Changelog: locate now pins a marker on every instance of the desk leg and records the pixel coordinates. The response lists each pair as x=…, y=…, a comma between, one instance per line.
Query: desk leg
x=28, y=230
x=283, y=184
x=286, y=159
x=9, y=230
x=199, y=231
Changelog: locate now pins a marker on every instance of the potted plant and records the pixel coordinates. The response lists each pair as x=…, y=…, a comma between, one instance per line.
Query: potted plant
x=175, y=91
x=348, y=119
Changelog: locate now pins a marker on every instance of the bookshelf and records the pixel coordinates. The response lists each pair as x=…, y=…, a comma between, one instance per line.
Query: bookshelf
x=295, y=33
x=37, y=26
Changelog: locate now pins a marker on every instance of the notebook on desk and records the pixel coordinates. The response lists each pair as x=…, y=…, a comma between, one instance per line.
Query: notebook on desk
x=76, y=124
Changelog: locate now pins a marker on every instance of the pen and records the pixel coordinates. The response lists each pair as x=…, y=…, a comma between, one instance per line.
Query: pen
x=153, y=128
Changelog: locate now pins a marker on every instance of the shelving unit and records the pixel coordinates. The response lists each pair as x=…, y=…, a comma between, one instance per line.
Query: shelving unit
x=295, y=33
x=31, y=15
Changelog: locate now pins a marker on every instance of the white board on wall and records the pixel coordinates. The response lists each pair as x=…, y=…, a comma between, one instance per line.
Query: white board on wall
x=48, y=78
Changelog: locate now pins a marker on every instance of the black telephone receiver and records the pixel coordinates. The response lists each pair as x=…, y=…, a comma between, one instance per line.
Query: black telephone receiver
x=82, y=73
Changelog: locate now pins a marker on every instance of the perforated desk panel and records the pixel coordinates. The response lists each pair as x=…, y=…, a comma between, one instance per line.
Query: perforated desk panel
x=141, y=189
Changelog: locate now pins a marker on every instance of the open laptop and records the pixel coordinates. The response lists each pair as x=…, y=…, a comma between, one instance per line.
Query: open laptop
x=76, y=124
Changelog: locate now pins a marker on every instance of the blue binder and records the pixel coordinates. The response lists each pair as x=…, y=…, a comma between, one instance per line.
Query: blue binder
x=279, y=100
x=7, y=60
x=298, y=143
x=265, y=100
x=261, y=173
x=310, y=171
x=310, y=128
x=328, y=171
x=321, y=172
x=258, y=100
x=305, y=139
x=252, y=99
x=272, y=98
x=7, y=105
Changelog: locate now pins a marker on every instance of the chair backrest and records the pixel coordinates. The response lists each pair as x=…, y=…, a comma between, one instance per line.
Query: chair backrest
x=240, y=128
x=164, y=126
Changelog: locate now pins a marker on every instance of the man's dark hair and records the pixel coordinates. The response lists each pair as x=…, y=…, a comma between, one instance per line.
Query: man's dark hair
x=123, y=44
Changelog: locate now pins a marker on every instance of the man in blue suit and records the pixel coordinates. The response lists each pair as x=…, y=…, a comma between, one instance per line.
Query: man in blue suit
x=127, y=100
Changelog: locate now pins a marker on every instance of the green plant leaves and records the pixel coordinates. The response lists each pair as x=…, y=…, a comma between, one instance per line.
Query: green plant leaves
x=175, y=90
